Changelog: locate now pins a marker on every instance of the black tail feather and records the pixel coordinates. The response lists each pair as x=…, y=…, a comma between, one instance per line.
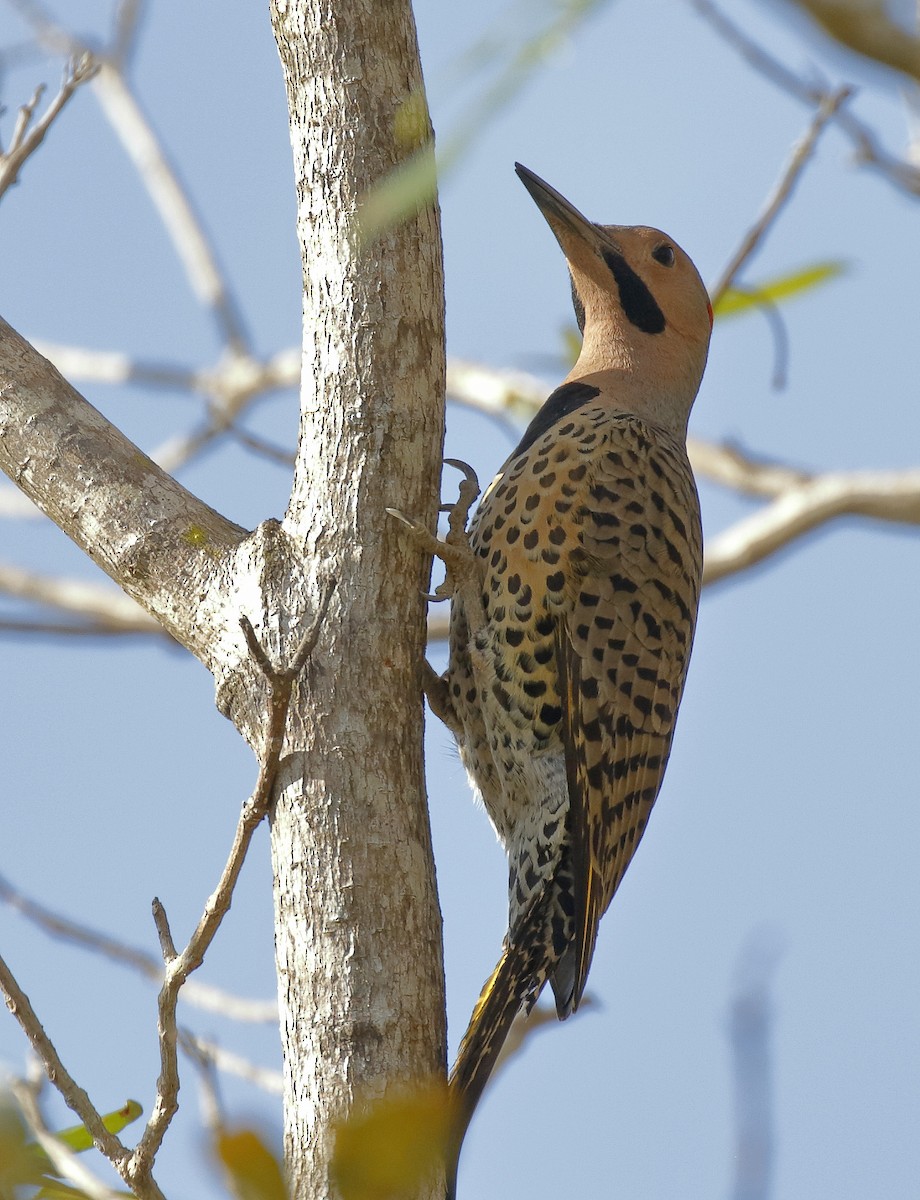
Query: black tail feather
x=512, y=981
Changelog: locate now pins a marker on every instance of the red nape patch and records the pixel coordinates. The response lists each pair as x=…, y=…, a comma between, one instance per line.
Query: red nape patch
x=709, y=310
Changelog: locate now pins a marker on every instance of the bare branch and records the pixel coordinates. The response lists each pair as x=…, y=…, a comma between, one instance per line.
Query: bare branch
x=232, y=1064
x=65, y=629
x=179, y=966
x=781, y=193
x=108, y=609
x=143, y=528
x=230, y=388
x=202, y=995
x=158, y=175
x=112, y=366
x=438, y=626
x=505, y=395
x=27, y=137
x=731, y=467
x=869, y=151
x=173, y=203
x=883, y=495
x=74, y=1096
x=65, y=1162
x=198, y=1052
x=128, y=19
x=526, y=1025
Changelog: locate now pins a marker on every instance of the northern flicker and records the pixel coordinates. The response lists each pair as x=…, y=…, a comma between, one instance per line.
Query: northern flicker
x=568, y=653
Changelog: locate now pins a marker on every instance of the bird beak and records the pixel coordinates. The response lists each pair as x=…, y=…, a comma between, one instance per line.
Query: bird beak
x=563, y=218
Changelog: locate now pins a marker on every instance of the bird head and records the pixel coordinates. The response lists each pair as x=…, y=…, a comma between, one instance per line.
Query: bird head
x=641, y=305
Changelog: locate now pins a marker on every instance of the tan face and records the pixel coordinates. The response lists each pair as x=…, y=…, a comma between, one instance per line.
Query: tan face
x=655, y=282
x=640, y=302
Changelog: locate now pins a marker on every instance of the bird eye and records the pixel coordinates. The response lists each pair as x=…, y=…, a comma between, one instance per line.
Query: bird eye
x=664, y=254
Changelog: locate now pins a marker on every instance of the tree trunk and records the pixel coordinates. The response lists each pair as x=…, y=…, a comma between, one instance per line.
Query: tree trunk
x=358, y=930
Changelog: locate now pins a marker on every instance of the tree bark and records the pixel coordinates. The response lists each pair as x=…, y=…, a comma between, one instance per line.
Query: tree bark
x=358, y=929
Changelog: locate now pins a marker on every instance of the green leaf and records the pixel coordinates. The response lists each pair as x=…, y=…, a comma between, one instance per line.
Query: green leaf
x=774, y=291
x=78, y=1138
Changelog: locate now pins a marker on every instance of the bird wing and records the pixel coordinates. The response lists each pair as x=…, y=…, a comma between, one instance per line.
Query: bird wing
x=622, y=650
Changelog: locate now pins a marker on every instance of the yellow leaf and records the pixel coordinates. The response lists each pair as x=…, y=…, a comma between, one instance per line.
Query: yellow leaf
x=773, y=291
x=399, y=195
x=387, y=1151
x=254, y=1169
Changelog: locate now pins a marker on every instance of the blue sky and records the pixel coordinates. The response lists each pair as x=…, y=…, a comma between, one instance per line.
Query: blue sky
x=789, y=813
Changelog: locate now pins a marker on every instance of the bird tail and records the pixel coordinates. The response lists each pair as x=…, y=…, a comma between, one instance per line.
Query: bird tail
x=516, y=980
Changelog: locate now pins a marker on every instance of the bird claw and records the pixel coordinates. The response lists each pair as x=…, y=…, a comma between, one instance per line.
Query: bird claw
x=469, y=494
x=454, y=551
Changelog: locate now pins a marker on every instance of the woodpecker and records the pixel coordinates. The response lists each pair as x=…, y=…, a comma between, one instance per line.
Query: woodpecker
x=568, y=658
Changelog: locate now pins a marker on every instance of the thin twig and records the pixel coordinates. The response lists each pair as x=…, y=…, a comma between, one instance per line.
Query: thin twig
x=73, y=1095
x=78, y=365
x=64, y=1161
x=27, y=137
x=173, y=203
x=201, y=995
x=225, y=1060
x=781, y=192
x=728, y=465
x=869, y=151
x=123, y=112
x=179, y=966
x=128, y=19
x=136, y=1166
x=200, y=1054
x=106, y=606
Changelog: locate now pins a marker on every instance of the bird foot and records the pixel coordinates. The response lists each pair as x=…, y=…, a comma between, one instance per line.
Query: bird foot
x=462, y=566
x=463, y=575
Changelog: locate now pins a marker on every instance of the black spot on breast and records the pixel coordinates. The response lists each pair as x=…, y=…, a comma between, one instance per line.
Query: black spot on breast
x=563, y=401
x=639, y=304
